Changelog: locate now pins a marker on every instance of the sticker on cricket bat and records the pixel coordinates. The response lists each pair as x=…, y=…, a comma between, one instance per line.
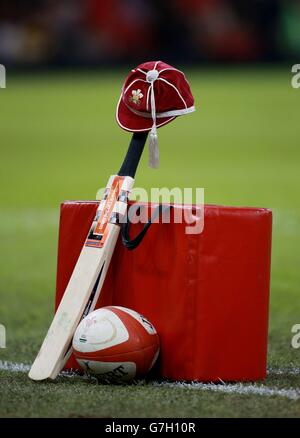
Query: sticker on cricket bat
x=98, y=231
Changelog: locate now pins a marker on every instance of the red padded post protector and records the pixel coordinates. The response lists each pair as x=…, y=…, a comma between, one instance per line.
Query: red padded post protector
x=207, y=294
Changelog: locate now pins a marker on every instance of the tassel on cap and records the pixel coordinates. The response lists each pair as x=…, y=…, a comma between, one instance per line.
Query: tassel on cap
x=153, y=149
x=151, y=77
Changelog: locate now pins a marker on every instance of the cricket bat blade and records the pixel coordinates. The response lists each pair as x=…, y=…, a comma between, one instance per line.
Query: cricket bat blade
x=86, y=282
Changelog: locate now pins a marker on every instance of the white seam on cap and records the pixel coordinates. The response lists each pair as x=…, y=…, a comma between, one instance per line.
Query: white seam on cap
x=169, y=68
x=137, y=130
x=170, y=113
x=131, y=83
x=155, y=65
x=173, y=86
x=175, y=69
x=179, y=71
x=181, y=112
x=142, y=71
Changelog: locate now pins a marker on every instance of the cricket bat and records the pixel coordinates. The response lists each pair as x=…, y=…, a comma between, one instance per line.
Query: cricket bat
x=84, y=287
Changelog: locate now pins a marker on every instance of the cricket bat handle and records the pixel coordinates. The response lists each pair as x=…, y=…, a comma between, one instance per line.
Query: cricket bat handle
x=133, y=154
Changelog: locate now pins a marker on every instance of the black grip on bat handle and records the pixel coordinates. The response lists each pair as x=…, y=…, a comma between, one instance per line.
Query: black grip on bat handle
x=133, y=155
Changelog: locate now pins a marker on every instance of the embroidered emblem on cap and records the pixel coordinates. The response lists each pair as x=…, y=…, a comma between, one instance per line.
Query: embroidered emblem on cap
x=136, y=96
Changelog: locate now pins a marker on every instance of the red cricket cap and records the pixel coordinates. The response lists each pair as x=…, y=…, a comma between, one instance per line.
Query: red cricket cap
x=153, y=94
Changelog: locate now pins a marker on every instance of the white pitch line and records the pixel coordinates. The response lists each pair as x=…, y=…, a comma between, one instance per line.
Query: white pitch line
x=236, y=388
x=24, y=368
x=230, y=388
x=289, y=371
x=15, y=367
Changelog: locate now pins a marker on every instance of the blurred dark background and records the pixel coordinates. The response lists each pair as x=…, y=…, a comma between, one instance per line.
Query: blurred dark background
x=99, y=32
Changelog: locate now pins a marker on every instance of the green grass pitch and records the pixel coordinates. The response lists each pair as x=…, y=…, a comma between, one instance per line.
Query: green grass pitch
x=59, y=140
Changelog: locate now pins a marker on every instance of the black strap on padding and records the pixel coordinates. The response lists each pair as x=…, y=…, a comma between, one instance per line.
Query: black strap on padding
x=133, y=243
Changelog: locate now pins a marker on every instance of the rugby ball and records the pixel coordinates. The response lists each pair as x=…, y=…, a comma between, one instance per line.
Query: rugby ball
x=116, y=344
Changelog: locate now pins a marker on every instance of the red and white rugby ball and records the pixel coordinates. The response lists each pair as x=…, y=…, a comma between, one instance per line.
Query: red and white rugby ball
x=116, y=344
